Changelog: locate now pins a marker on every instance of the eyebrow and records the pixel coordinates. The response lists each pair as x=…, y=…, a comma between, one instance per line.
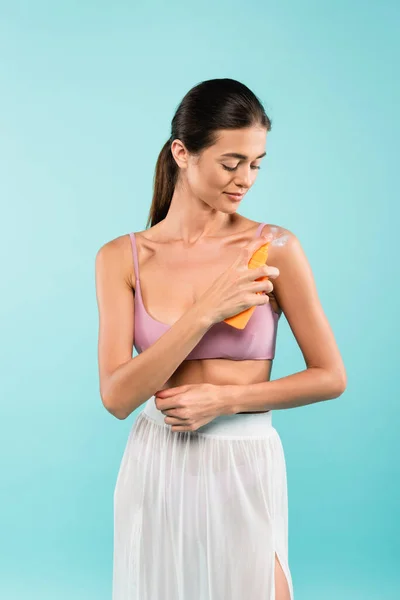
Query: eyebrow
x=243, y=156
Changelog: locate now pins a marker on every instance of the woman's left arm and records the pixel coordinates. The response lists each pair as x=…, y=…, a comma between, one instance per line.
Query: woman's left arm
x=325, y=376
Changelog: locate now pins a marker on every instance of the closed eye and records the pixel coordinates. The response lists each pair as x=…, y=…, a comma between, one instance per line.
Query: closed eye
x=234, y=168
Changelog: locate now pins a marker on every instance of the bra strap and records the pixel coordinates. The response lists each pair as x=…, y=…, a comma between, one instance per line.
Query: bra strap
x=259, y=229
x=135, y=256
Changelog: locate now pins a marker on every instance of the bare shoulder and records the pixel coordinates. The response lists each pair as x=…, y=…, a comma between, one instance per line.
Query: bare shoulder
x=115, y=259
x=286, y=253
x=280, y=237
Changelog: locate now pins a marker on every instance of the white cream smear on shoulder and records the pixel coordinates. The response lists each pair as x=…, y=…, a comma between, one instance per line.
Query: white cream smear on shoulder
x=275, y=239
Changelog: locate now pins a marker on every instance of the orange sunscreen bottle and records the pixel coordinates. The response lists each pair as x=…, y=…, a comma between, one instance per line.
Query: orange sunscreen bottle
x=258, y=259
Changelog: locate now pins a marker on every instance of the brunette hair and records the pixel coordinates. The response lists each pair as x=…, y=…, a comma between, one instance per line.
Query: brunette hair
x=208, y=107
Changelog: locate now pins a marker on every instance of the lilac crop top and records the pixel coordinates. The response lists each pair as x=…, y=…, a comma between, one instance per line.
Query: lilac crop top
x=256, y=341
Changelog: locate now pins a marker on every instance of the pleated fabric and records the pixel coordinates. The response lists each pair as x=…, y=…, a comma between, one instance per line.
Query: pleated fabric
x=200, y=515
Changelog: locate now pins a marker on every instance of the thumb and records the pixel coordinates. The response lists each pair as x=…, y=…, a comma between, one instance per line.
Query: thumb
x=247, y=251
x=258, y=242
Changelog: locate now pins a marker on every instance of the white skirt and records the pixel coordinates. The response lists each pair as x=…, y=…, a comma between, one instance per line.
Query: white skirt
x=200, y=515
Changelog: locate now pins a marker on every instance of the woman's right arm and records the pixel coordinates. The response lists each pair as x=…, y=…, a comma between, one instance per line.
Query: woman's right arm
x=126, y=382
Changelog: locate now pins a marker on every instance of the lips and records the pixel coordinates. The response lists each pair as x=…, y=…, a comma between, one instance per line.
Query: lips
x=234, y=195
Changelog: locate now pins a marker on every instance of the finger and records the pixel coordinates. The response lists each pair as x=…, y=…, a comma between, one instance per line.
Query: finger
x=167, y=404
x=260, y=241
x=169, y=397
x=264, y=287
x=260, y=299
x=172, y=391
x=261, y=286
x=255, y=245
x=272, y=272
x=171, y=401
x=176, y=421
x=248, y=250
x=172, y=412
x=262, y=273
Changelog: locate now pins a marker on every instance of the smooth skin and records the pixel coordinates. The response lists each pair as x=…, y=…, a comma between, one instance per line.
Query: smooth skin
x=181, y=256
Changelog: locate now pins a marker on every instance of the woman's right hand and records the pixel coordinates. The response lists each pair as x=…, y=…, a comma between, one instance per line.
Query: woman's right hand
x=235, y=289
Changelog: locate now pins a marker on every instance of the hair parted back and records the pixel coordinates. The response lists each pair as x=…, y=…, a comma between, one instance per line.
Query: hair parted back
x=208, y=107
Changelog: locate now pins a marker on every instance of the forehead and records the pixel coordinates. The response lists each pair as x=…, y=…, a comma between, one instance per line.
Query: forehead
x=249, y=142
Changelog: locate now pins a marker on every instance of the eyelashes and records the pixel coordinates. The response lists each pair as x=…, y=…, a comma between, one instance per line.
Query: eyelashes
x=234, y=168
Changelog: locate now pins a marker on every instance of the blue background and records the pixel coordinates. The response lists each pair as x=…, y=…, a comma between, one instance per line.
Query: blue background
x=87, y=94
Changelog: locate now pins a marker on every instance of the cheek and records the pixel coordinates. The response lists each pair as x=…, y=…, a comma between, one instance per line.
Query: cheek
x=208, y=180
x=218, y=179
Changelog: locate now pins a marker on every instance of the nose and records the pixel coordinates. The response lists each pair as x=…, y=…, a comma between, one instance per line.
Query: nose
x=244, y=179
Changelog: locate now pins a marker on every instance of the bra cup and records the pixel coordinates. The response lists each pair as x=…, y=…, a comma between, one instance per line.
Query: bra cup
x=255, y=341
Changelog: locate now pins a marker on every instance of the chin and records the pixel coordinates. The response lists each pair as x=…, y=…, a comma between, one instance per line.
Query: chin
x=230, y=210
x=230, y=205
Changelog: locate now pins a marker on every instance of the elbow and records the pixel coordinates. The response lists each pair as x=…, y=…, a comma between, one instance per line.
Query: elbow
x=339, y=384
x=116, y=411
x=113, y=408
x=118, y=414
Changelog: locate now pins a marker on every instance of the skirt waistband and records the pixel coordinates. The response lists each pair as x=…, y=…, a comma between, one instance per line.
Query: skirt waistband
x=239, y=425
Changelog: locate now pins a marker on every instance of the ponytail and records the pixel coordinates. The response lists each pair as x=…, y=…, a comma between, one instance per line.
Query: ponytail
x=163, y=185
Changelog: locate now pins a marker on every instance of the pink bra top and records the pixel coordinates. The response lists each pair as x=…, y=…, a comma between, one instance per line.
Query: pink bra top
x=256, y=341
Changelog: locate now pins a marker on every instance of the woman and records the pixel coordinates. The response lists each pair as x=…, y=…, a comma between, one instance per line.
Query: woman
x=200, y=504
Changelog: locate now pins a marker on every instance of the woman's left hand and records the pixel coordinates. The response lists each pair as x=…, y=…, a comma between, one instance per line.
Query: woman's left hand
x=190, y=406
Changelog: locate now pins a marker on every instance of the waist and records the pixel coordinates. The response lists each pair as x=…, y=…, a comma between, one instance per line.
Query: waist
x=239, y=425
